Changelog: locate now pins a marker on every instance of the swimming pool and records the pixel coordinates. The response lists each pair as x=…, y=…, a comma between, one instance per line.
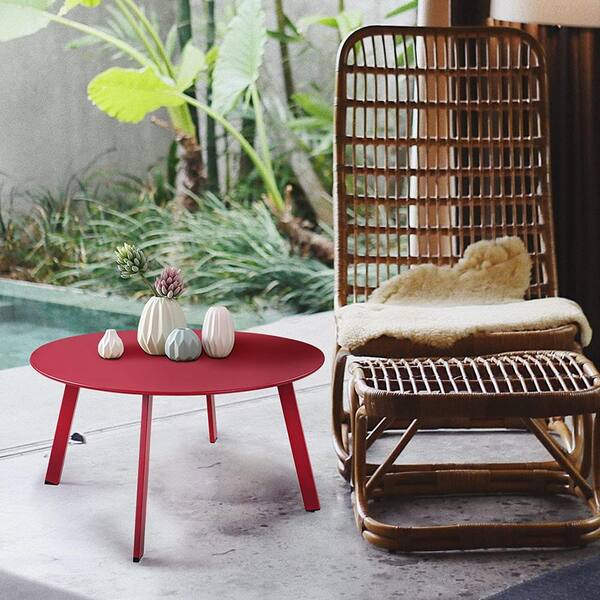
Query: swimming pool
x=33, y=314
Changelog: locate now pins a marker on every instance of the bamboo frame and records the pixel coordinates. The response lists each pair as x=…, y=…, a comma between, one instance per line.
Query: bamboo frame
x=441, y=139
x=529, y=385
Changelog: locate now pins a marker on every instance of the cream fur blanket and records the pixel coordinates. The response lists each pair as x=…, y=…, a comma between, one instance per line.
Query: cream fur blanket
x=483, y=292
x=442, y=326
x=490, y=272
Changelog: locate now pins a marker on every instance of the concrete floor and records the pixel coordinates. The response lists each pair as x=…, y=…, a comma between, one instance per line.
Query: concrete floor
x=225, y=520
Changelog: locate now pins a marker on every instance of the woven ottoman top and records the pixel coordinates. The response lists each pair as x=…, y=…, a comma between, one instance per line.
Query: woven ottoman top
x=527, y=384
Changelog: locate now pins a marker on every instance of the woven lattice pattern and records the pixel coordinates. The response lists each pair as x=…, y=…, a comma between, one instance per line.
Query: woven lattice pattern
x=527, y=372
x=441, y=140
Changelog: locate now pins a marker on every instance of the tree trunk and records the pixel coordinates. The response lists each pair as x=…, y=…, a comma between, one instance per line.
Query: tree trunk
x=303, y=240
x=184, y=35
x=314, y=192
x=190, y=171
x=190, y=168
x=433, y=13
x=316, y=196
x=212, y=158
x=248, y=130
x=306, y=241
x=286, y=65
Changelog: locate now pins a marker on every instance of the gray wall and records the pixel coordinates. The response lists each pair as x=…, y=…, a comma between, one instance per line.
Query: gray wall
x=48, y=128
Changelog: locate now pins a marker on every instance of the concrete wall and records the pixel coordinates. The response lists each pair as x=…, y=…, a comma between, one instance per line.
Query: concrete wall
x=48, y=128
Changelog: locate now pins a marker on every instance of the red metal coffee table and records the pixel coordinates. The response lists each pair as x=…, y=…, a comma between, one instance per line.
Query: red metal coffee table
x=257, y=361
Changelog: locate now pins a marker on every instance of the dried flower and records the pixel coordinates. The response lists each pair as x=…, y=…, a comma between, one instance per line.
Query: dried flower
x=130, y=261
x=169, y=284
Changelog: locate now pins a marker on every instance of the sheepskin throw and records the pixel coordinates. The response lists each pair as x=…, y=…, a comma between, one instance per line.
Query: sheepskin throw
x=490, y=272
x=442, y=326
x=439, y=305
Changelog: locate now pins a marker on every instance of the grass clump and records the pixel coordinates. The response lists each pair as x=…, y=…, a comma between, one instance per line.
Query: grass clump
x=230, y=253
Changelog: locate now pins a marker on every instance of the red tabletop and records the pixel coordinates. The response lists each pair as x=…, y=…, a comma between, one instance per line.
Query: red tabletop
x=257, y=361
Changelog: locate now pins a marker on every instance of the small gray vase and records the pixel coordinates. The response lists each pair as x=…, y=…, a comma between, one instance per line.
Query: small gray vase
x=183, y=345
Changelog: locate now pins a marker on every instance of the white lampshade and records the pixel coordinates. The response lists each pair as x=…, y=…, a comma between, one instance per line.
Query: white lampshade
x=570, y=13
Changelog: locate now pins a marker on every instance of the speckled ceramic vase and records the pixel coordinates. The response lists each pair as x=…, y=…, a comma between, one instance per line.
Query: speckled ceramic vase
x=183, y=345
x=111, y=345
x=218, y=332
x=159, y=317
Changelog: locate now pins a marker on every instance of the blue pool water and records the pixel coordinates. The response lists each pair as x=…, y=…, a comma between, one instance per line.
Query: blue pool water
x=26, y=324
x=32, y=314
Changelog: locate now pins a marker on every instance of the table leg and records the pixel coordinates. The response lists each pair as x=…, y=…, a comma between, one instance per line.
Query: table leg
x=61, y=435
x=142, y=482
x=298, y=445
x=212, y=418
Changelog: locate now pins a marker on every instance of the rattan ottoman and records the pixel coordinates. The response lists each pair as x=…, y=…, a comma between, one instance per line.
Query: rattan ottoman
x=532, y=386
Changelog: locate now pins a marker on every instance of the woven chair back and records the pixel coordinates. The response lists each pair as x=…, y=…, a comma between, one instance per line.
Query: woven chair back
x=441, y=140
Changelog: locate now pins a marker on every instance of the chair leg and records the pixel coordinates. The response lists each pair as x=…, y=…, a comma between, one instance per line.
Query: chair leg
x=339, y=423
x=212, y=418
x=298, y=445
x=142, y=482
x=595, y=466
x=61, y=436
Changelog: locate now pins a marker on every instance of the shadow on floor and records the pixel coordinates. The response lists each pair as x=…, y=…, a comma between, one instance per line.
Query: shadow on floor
x=20, y=588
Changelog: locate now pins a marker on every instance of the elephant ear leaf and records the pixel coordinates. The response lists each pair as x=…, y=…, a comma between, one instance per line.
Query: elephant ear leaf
x=130, y=94
x=19, y=18
x=71, y=4
x=191, y=64
x=240, y=56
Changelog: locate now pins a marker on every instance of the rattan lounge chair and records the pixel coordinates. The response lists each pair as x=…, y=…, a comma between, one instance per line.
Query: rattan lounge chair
x=441, y=140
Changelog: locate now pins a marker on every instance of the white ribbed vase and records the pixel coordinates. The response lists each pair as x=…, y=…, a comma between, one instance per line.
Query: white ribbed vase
x=159, y=317
x=218, y=332
x=111, y=345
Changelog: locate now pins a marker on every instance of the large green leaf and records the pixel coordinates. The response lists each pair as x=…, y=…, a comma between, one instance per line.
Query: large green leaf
x=240, y=56
x=171, y=41
x=348, y=21
x=345, y=21
x=305, y=22
x=19, y=18
x=314, y=106
x=411, y=5
x=130, y=94
x=71, y=4
x=192, y=62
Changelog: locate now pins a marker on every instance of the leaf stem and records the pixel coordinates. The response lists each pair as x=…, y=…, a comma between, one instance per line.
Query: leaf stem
x=140, y=34
x=263, y=168
x=139, y=13
x=180, y=116
x=123, y=46
x=150, y=286
x=260, y=128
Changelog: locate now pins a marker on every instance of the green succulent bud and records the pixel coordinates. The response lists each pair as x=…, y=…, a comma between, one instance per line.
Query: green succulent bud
x=130, y=261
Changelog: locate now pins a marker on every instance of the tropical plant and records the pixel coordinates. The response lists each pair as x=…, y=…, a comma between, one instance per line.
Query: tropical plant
x=129, y=94
x=231, y=253
x=402, y=8
x=132, y=34
x=311, y=110
x=343, y=22
x=313, y=127
x=9, y=246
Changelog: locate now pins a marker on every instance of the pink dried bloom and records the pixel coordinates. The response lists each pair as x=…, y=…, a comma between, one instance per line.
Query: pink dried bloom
x=169, y=283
